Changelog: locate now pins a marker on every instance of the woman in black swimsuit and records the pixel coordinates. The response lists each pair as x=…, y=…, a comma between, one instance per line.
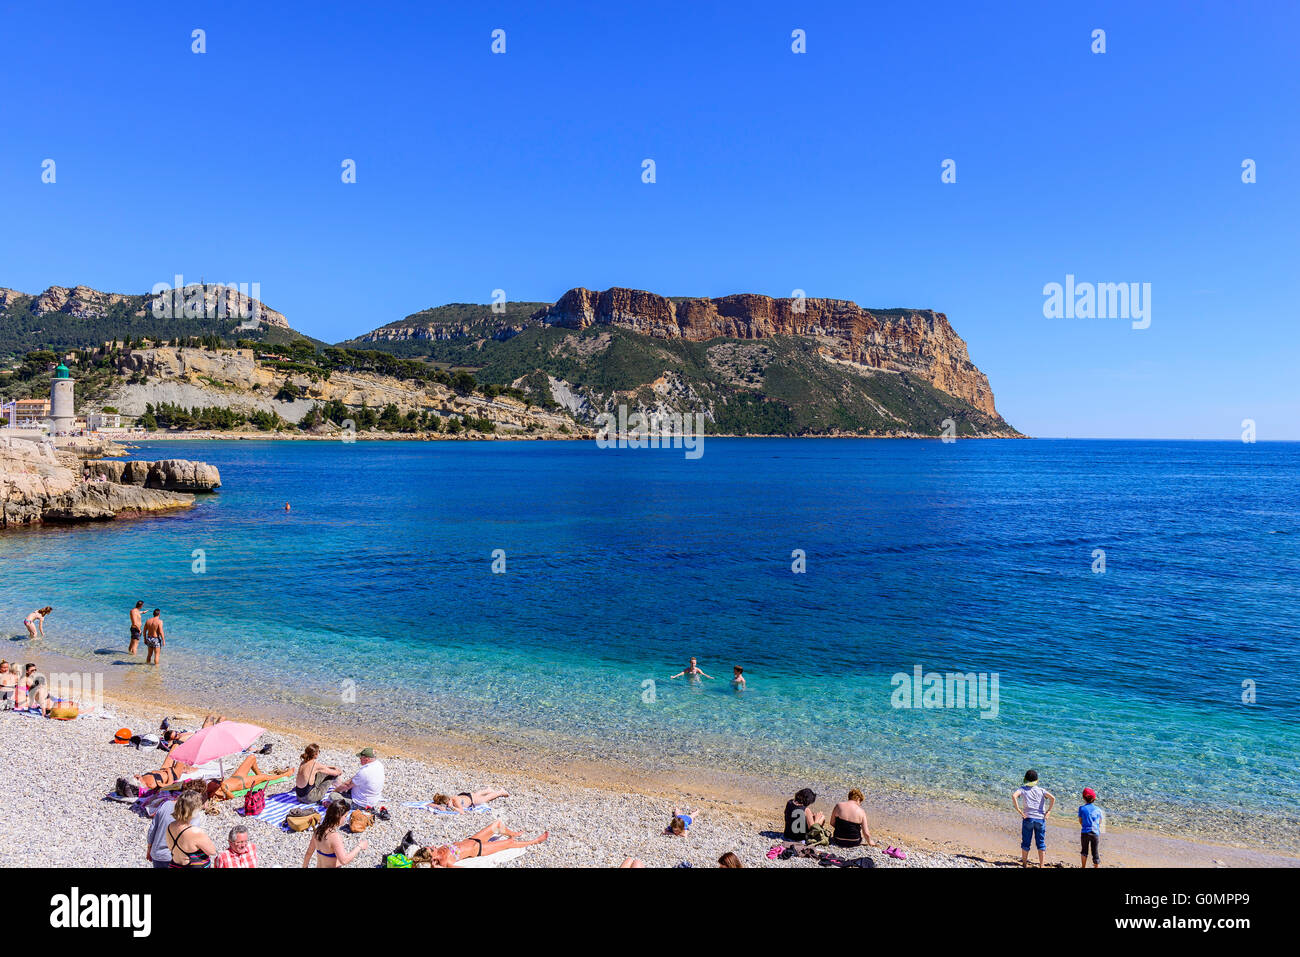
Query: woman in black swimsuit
x=467, y=799
x=190, y=846
x=849, y=823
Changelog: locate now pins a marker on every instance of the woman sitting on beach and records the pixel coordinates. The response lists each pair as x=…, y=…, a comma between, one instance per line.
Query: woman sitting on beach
x=22, y=700
x=313, y=777
x=466, y=799
x=479, y=845
x=849, y=823
x=798, y=819
x=327, y=843
x=190, y=846
x=8, y=681
x=36, y=622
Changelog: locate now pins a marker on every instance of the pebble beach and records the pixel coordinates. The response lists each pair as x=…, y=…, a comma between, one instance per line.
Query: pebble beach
x=56, y=774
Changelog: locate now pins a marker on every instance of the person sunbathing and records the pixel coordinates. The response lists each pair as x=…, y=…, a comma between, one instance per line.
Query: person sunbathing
x=246, y=777
x=479, y=845
x=466, y=799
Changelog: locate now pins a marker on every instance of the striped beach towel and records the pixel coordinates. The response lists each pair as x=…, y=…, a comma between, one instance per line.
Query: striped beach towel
x=439, y=809
x=278, y=807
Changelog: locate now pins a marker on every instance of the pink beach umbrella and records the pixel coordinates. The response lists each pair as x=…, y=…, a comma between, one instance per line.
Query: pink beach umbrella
x=216, y=743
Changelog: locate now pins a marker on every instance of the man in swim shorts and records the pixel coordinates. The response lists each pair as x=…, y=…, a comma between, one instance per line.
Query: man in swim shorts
x=154, y=638
x=136, y=626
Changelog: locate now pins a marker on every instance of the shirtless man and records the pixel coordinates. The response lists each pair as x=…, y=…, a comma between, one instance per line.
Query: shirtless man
x=693, y=672
x=154, y=638
x=136, y=626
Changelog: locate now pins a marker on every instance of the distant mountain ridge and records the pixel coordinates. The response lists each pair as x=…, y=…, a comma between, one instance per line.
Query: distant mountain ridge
x=750, y=363
x=814, y=363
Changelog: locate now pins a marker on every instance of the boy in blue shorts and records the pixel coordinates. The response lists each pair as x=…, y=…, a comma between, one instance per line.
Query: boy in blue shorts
x=1037, y=807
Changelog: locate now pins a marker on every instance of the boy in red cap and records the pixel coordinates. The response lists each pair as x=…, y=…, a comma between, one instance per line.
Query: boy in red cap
x=1090, y=817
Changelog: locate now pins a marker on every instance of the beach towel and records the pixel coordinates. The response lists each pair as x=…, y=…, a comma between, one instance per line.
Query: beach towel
x=278, y=807
x=492, y=860
x=439, y=809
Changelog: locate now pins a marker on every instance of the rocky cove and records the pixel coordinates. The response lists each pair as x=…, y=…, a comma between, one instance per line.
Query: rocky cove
x=40, y=485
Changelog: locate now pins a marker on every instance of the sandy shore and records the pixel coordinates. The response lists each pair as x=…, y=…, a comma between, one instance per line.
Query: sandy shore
x=598, y=812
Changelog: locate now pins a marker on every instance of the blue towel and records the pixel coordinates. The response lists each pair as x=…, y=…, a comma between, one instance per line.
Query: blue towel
x=439, y=809
x=277, y=808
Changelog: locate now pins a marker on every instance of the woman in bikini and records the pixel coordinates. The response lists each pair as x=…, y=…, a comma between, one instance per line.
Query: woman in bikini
x=22, y=700
x=326, y=843
x=248, y=775
x=480, y=845
x=466, y=799
x=190, y=846
x=313, y=777
x=35, y=622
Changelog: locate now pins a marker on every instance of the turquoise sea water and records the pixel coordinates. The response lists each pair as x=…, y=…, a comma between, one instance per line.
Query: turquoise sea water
x=972, y=557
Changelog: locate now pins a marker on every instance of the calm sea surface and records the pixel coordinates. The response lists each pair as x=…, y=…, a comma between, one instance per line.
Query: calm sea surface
x=620, y=564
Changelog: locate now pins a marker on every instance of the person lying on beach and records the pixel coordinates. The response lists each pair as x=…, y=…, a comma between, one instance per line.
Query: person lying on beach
x=798, y=819
x=479, y=845
x=631, y=862
x=729, y=860
x=35, y=622
x=692, y=671
x=466, y=799
x=326, y=843
x=849, y=823
x=681, y=823
x=246, y=777
x=313, y=777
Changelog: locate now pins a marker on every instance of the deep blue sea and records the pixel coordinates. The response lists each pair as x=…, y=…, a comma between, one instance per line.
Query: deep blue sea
x=976, y=557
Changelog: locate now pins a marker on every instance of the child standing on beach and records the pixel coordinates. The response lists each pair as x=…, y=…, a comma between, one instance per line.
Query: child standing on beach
x=1038, y=804
x=1090, y=819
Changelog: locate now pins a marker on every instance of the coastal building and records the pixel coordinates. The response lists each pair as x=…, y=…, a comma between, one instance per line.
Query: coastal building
x=98, y=421
x=62, y=415
x=26, y=413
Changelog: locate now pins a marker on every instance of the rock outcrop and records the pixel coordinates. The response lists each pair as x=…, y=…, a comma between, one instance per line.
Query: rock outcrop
x=40, y=486
x=917, y=341
x=170, y=475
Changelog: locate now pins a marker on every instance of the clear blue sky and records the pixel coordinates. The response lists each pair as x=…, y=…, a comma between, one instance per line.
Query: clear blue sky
x=775, y=171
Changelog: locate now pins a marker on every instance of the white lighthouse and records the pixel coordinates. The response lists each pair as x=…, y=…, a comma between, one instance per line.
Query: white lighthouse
x=62, y=415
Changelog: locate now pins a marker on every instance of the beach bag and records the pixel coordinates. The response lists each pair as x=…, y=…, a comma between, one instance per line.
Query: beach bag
x=123, y=736
x=397, y=860
x=64, y=712
x=254, y=803
x=359, y=821
x=302, y=822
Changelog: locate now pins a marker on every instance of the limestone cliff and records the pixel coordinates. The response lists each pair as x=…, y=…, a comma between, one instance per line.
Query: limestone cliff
x=916, y=341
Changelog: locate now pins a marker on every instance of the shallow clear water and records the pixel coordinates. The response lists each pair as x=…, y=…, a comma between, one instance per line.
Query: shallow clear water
x=972, y=557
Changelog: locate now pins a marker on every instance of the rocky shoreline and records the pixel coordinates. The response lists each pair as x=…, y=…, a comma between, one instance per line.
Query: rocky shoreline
x=41, y=486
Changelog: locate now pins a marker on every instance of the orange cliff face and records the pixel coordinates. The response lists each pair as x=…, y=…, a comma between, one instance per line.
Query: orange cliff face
x=918, y=341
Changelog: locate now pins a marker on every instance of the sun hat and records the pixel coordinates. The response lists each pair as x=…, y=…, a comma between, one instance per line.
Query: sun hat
x=1089, y=794
x=367, y=753
x=1031, y=776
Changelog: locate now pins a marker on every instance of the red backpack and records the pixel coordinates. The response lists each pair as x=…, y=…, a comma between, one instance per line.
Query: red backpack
x=254, y=803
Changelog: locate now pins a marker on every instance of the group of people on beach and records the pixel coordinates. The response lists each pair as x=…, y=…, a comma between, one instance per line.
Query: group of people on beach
x=25, y=689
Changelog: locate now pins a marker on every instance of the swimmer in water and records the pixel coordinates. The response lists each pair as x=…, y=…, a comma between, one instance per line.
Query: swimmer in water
x=738, y=678
x=693, y=672
x=286, y=506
